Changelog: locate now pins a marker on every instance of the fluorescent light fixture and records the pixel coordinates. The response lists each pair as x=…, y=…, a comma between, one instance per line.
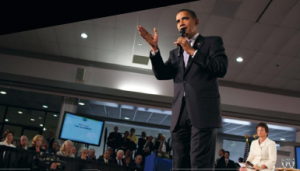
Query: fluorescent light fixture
x=2, y=92
x=147, y=89
x=6, y=120
x=55, y=115
x=127, y=107
x=32, y=119
x=159, y=111
x=282, y=139
x=109, y=104
x=45, y=106
x=84, y=35
x=81, y=103
x=41, y=125
x=285, y=128
x=40, y=117
x=234, y=121
x=126, y=118
x=20, y=112
x=45, y=129
x=239, y=59
x=168, y=112
x=141, y=109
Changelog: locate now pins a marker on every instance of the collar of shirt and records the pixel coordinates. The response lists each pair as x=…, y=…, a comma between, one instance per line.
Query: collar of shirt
x=194, y=38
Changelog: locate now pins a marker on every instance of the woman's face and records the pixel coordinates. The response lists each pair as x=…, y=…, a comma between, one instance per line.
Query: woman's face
x=261, y=132
x=9, y=137
x=68, y=146
x=38, y=142
x=84, y=154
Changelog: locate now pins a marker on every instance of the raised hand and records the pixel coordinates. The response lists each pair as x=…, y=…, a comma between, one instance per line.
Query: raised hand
x=152, y=40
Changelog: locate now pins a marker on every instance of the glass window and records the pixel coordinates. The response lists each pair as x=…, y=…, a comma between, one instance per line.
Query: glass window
x=50, y=124
x=17, y=130
x=236, y=149
x=25, y=117
x=2, y=111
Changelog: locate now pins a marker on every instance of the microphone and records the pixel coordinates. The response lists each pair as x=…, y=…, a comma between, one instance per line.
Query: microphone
x=182, y=32
x=250, y=164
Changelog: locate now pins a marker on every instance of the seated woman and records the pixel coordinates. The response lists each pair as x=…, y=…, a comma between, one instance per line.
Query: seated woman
x=9, y=136
x=36, y=144
x=65, y=149
x=263, y=151
x=83, y=153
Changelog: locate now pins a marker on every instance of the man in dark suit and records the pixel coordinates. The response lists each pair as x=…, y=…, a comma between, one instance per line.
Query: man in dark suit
x=51, y=138
x=225, y=163
x=161, y=148
x=114, y=138
x=105, y=158
x=23, y=142
x=119, y=158
x=196, y=111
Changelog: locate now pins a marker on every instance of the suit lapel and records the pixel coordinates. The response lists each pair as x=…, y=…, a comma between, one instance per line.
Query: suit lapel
x=197, y=45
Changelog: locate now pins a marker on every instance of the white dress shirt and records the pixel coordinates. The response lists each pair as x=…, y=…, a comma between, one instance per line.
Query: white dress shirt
x=5, y=144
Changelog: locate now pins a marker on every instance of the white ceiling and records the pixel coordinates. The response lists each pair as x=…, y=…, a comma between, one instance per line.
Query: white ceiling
x=270, y=47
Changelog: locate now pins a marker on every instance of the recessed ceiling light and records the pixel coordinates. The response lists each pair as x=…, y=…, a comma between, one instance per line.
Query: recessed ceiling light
x=20, y=112
x=45, y=106
x=45, y=129
x=3, y=92
x=84, y=35
x=81, y=103
x=32, y=119
x=140, y=44
x=239, y=59
x=282, y=139
x=126, y=118
x=40, y=117
x=55, y=115
x=41, y=125
x=6, y=120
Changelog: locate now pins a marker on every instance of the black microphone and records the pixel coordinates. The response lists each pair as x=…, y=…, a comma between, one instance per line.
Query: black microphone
x=249, y=163
x=182, y=33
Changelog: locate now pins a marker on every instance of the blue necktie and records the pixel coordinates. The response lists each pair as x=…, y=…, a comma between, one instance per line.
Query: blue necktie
x=186, y=55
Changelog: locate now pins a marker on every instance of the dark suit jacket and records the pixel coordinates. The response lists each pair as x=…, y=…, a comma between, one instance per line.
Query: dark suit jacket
x=221, y=164
x=50, y=141
x=114, y=160
x=199, y=81
x=101, y=159
x=157, y=144
x=115, y=137
x=21, y=147
x=33, y=149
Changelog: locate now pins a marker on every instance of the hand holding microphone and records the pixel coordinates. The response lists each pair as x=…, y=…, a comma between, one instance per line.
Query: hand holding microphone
x=180, y=50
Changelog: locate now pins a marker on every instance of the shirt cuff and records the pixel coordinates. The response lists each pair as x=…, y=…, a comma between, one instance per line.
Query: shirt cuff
x=194, y=53
x=154, y=53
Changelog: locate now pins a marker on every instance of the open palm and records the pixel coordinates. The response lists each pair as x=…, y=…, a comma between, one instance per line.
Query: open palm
x=152, y=40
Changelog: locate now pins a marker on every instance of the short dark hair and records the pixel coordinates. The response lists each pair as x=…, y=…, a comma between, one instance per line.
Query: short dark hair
x=241, y=159
x=227, y=152
x=222, y=150
x=264, y=125
x=132, y=129
x=192, y=13
x=8, y=132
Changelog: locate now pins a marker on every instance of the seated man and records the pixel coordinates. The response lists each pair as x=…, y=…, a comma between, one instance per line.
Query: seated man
x=162, y=148
x=227, y=164
x=119, y=159
x=105, y=158
x=138, y=161
x=23, y=142
x=91, y=155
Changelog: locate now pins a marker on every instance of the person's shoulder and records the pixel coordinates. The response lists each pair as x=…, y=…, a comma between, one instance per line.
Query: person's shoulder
x=269, y=141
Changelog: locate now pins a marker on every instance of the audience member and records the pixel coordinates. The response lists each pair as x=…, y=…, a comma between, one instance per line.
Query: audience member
x=112, y=153
x=105, y=158
x=227, y=164
x=83, y=153
x=114, y=138
x=74, y=151
x=240, y=160
x=146, y=148
x=91, y=154
x=138, y=161
x=162, y=148
x=119, y=158
x=8, y=138
x=157, y=139
x=36, y=144
x=51, y=138
x=141, y=143
x=125, y=144
x=23, y=142
x=65, y=149
x=221, y=156
x=128, y=161
x=54, y=149
x=45, y=145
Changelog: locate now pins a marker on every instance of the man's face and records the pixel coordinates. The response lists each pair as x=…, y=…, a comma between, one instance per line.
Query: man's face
x=51, y=134
x=74, y=151
x=120, y=155
x=24, y=141
x=106, y=154
x=185, y=20
x=220, y=153
x=150, y=138
x=138, y=159
x=226, y=155
x=116, y=129
x=143, y=134
x=91, y=153
x=55, y=145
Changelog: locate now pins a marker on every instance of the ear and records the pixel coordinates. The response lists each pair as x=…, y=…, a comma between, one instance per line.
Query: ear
x=197, y=21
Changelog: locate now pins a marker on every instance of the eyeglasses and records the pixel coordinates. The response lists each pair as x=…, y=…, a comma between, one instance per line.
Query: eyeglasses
x=260, y=130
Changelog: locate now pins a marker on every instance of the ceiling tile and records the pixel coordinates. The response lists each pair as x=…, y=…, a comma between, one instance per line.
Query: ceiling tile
x=106, y=21
x=229, y=51
x=180, y=6
x=276, y=65
x=257, y=36
x=86, y=53
x=127, y=21
x=251, y=9
x=259, y=61
x=166, y=44
x=104, y=55
x=150, y=18
x=144, y=48
x=123, y=40
x=203, y=18
x=231, y=74
x=216, y=26
x=104, y=37
x=47, y=34
x=33, y=46
x=204, y=6
x=245, y=77
x=65, y=34
x=50, y=48
x=226, y=8
x=245, y=54
x=293, y=85
x=292, y=18
x=2, y=42
x=291, y=70
x=90, y=22
x=236, y=32
x=167, y=24
x=89, y=30
x=124, y=58
x=277, y=11
x=292, y=47
x=13, y=41
x=29, y=35
x=278, y=39
x=67, y=50
x=262, y=80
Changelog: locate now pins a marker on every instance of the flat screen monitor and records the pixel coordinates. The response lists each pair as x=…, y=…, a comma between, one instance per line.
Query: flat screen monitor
x=81, y=129
x=297, y=157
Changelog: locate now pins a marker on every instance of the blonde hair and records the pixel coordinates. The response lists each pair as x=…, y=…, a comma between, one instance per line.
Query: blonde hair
x=63, y=147
x=35, y=138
